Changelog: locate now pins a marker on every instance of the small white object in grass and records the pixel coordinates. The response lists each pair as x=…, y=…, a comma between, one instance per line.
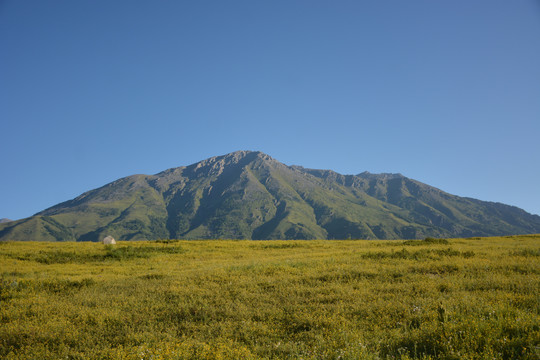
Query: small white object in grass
x=109, y=240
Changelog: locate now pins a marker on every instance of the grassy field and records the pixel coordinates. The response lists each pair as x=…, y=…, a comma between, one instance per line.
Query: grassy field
x=426, y=299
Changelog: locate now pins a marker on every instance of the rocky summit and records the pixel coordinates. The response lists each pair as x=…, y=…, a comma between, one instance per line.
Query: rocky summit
x=249, y=195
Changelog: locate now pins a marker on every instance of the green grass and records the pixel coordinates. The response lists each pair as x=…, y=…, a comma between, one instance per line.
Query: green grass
x=423, y=299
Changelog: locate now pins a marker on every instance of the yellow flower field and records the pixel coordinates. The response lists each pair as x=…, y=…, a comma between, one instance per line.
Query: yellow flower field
x=475, y=298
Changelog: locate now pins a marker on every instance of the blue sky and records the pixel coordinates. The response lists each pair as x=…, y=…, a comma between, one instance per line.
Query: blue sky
x=444, y=92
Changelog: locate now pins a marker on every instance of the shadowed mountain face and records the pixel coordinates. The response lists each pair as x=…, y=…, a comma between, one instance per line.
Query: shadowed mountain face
x=249, y=195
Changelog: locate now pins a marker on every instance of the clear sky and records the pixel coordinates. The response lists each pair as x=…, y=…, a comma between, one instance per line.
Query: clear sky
x=444, y=92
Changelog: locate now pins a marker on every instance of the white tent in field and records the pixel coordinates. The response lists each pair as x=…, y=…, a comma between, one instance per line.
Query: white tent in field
x=109, y=240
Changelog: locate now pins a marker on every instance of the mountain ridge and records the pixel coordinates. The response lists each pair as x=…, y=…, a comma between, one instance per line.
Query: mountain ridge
x=250, y=195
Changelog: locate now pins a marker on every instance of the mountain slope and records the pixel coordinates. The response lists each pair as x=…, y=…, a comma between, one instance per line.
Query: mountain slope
x=249, y=195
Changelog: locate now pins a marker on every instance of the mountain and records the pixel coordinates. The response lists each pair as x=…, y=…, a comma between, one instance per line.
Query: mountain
x=249, y=195
x=4, y=220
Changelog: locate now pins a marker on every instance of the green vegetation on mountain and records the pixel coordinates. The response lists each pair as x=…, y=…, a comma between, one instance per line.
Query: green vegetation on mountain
x=249, y=195
x=468, y=299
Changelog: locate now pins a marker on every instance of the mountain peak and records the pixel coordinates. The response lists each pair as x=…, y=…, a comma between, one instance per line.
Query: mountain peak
x=242, y=154
x=249, y=195
x=236, y=157
x=217, y=164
